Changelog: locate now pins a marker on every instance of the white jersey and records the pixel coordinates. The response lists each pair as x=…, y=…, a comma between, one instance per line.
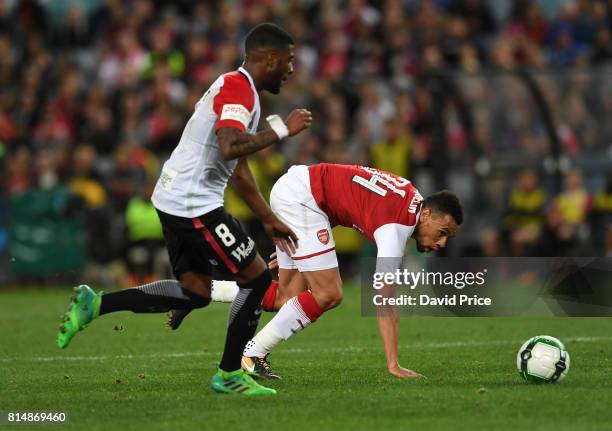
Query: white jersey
x=193, y=180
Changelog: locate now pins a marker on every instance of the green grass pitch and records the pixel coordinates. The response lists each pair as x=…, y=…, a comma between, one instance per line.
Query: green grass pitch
x=127, y=372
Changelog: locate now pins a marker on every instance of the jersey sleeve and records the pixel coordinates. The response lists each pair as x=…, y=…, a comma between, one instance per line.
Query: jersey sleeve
x=391, y=242
x=233, y=104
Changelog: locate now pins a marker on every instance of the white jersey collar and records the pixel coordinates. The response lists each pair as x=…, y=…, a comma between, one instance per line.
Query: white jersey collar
x=248, y=76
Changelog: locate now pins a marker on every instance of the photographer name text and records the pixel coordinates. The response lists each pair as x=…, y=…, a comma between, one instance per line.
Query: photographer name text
x=414, y=279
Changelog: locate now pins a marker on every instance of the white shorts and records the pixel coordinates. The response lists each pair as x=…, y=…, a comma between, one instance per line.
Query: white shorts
x=292, y=201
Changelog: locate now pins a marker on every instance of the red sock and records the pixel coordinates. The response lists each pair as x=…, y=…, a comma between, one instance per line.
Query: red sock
x=309, y=306
x=270, y=297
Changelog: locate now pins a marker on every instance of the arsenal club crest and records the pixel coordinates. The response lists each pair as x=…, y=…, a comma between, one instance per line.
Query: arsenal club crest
x=323, y=236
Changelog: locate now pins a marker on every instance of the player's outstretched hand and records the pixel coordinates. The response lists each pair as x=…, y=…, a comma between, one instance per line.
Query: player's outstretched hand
x=398, y=371
x=298, y=120
x=281, y=235
x=273, y=263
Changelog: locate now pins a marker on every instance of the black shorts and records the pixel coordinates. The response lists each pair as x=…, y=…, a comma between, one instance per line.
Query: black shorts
x=213, y=240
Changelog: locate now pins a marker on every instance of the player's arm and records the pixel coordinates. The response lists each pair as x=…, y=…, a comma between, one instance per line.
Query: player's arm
x=235, y=143
x=244, y=183
x=388, y=324
x=391, y=242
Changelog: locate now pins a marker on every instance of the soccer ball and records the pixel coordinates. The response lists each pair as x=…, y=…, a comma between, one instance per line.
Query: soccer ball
x=543, y=359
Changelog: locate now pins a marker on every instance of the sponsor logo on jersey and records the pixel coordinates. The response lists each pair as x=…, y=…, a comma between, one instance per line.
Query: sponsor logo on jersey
x=242, y=251
x=166, y=178
x=213, y=262
x=323, y=236
x=236, y=112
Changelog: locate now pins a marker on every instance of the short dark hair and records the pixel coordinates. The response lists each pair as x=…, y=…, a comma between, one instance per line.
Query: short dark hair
x=445, y=202
x=267, y=35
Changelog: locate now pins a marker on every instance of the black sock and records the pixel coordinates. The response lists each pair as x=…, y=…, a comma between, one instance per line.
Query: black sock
x=243, y=320
x=157, y=297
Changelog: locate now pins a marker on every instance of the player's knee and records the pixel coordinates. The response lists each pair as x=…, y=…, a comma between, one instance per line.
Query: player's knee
x=329, y=297
x=333, y=301
x=199, y=294
x=197, y=287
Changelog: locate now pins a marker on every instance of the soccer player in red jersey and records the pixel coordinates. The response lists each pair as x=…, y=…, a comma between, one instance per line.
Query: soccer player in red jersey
x=385, y=208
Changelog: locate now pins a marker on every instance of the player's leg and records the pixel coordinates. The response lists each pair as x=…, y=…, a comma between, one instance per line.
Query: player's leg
x=253, y=281
x=226, y=291
x=186, y=249
x=325, y=293
x=232, y=250
x=290, y=284
x=190, y=292
x=292, y=200
x=187, y=252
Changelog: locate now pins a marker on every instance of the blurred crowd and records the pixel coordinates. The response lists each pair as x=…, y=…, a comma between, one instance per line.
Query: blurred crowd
x=573, y=222
x=94, y=95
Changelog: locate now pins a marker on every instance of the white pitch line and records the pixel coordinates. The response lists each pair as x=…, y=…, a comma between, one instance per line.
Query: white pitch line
x=346, y=349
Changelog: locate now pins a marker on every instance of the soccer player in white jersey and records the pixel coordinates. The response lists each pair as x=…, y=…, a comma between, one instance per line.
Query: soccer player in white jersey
x=199, y=233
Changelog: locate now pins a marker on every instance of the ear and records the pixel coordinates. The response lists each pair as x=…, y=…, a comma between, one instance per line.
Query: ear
x=425, y=215
x=272, y=59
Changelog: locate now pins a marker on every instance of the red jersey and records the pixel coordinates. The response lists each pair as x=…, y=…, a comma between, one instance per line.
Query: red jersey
x=364, y=198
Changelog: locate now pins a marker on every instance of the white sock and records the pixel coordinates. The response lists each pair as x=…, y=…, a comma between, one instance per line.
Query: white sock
x=289, y=320
x=223, y=290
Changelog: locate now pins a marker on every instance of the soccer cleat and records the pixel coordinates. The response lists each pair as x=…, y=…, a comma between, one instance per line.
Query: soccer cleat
x=238, y=382
x=175, y=318
x=84, y=307
x=259, y=367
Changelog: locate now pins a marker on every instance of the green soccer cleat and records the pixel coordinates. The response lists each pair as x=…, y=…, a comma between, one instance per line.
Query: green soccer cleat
x=84, y=307
x=238, y=382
